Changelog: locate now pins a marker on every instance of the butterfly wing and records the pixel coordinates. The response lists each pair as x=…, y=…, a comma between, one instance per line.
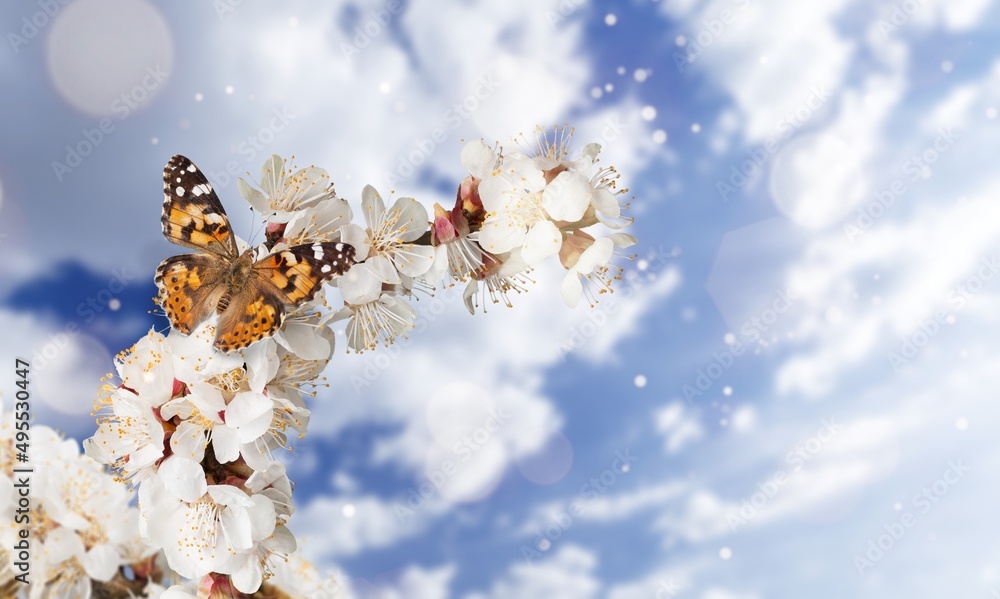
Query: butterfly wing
x=192, y=213
x=285, y=278
x=298, y=273
x=252, y=315
x=190, y=288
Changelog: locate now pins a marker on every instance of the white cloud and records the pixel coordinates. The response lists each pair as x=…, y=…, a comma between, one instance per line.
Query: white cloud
x=719, y=593
x=408, y=388
x=412, y=581
x=954, y=15
x=623, y=317
x=568, y=574
x=677, y=428
x=610, y=507
x=701, y=517
x=812, y=53
x=930, y=267
x=373, y=523
x=65, y=372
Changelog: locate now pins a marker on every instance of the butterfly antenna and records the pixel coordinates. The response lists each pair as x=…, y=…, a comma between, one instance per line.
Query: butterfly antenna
x=255, y=228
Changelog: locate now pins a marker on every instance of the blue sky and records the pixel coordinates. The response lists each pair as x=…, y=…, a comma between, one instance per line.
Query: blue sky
x=797, y=369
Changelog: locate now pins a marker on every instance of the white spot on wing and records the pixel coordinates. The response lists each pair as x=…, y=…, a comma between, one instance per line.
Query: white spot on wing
x=192, y=168
x=326, y=268
x=180, y=191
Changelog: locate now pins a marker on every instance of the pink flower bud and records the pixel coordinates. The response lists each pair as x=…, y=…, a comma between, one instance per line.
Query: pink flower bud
x=573, y=245
x=442, y=230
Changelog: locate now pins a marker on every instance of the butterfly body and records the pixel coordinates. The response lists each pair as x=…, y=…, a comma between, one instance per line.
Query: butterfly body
x=239, y=275
x=249, y=296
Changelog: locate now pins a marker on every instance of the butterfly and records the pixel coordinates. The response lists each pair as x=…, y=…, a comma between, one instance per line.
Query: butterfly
x=250, y=297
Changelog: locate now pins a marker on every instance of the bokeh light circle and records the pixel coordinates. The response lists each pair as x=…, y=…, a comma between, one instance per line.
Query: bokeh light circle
x=550, y=464
x=816, y=181
x=109, y=57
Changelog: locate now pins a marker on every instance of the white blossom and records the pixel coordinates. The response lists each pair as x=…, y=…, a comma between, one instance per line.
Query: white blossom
x=385, y=251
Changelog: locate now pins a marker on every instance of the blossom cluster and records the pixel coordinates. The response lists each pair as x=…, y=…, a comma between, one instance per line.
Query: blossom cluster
x=196, y=431
x=516, y=209
x=511, y=211
x=199, y=432
x=83, y=532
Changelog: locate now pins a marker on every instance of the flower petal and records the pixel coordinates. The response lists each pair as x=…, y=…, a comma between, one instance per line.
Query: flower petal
x=382, y=266
x=101, y=562
x=236, y=528
x=606, y=203
x=247, y=407
x=500, y=235
x=413, y=260
x=598, y=254
x=572, y=288
x=567, y=197
x=356, y=236
x=226, y=442
x=189, y=441
x=623, y=240
x=248, y=578
x=478, y=158
x=262, y=517
x=372, y=207
x=272, y=173
x=412, y=218
x=543, y=240
x=62, y=544
x=254, y=197
x=306, y=341
x=183, y=478
x=360, y=285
